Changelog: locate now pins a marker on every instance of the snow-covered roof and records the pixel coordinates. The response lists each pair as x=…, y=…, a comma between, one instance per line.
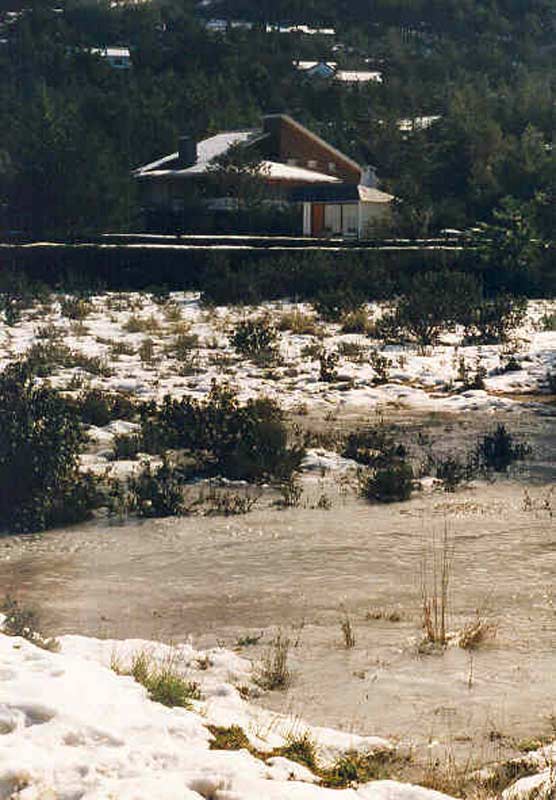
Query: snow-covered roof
x=417, y=123
x=207, y=151
x=368, y=194
x=286, y=172
x=307, y=29
x=302, y=65
x=111, y=52
x=358, y=76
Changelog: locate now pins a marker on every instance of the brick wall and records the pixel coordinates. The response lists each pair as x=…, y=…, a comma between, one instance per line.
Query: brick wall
x=290, y=142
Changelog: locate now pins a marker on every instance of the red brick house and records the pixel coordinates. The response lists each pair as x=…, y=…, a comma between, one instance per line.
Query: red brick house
x=332, y=193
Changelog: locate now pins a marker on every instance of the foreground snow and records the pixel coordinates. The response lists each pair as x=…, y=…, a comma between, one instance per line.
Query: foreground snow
x=70, y=728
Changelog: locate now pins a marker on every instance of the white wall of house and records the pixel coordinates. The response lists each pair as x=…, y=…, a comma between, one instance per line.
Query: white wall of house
x=307, y=219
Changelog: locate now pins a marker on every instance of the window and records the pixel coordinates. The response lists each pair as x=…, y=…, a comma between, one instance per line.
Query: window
x=332, y=166
x=312, y=164
x=292, y=162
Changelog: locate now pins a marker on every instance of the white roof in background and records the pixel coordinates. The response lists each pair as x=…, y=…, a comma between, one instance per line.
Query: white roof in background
x=368, y=194
x=111, y=52
x=311, y=64
x=358, y=76
x=272, y=27
x=417, y=123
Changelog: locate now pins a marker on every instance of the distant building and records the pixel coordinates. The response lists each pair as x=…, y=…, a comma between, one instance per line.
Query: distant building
x=331, y=193
x=272, y=27
x=117, y=57
x=358, y=76
x=329, y=70
x=224, y=25
x=411, y=124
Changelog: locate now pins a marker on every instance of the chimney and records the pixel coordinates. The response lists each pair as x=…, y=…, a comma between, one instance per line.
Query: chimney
x=369, y=177
x=187, y=152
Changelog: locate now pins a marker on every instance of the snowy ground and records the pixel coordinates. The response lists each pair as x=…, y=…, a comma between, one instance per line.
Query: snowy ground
x=70, y=728
x=420, y=380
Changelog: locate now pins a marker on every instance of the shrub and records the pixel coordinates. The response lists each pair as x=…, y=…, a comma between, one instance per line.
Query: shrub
x=468, y=379
x=158, y=492
x=164, y=683
x=390, y=484
x=550, y=381
x=356, y=321
x=229, y=504
x=96, y=407
x=300, y=748
x=353, y=351
x=232, y=738
x=355, y=768
x=146, y=350
x=248, y=442
x=388, y=327
x=299, y=323
x=137, y=324
x=126, y=446
x=497, y=450
x=121, y=349
x=291, y=492
x=373, y=447
x=451, y=472
x=331, y=305
x=381, y=367
x=273, y=671
x=436, y=301
x=255, y=338
x=491, y=321
x=44, y=359
x=328, y=363
x=75, y=308
x=40, y=440
x=182, y=346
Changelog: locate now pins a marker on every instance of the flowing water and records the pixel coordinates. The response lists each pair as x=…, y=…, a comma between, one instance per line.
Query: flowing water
x=217, y=579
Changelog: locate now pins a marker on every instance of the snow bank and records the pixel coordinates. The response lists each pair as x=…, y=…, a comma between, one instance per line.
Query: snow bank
x=70, y=728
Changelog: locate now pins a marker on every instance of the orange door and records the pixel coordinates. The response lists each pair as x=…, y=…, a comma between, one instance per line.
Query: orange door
x=317, y=219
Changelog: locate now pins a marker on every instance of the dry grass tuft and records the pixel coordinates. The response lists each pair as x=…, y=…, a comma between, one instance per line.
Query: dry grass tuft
x=273, y=671
x=436, y=567
x=347, y=631
x=299, y=323
x=476, y=633
x=163, y=679
x=136, y=324
x=384, y=614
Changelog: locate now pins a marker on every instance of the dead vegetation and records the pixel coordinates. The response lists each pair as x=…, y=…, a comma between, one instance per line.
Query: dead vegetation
x=273, y=671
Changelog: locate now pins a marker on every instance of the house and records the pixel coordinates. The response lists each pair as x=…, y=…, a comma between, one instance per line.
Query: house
x=272, y=27
x=224, y=25
x=412, y=124
x=328, y=192
x=316, y=69
x=329, y=69
x=358, y=76
x=117, y=57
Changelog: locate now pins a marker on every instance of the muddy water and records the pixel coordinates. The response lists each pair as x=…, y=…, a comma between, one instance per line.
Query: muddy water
x=220, y=578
